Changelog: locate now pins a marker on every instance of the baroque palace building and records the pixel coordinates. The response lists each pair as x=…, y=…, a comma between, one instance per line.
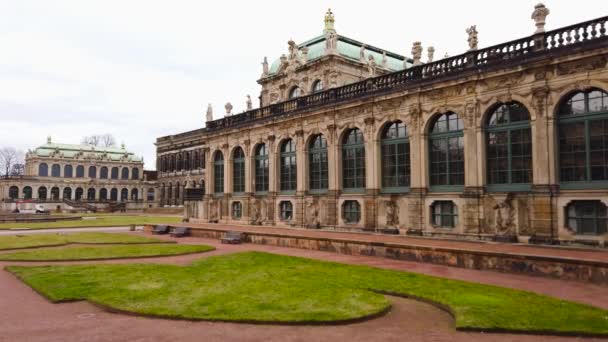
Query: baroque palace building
x=66, y=177
x=508, y=142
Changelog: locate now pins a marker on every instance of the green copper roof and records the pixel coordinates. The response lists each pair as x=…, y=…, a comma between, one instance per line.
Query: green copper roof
x=348, y=48
x=70, y=151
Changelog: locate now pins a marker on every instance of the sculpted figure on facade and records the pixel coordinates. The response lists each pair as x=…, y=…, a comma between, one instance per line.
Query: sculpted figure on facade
x=417, y=53
x=384, y=61
x=362, y=53
x=255, y=211
x=431, y=54
x=391, y=211
x=505, y=216
x=539, y=16
x=293, y=50
x=214, y=211
x=331, y=43
x=249, y=103
x=228, y=108
x=265, y=69
x=209, y=112
x=371, y=66
x=473, y=41
x=313, y=214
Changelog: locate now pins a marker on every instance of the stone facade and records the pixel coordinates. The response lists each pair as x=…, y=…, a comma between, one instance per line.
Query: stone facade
x=536, y=75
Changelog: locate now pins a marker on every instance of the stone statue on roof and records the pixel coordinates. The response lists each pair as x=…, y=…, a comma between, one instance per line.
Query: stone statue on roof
x=228, y=107
x=384, y=60
x=249, y=103
x=417, y=53
x=329, y=22
x=431, y=54
x=371, y=66
x=293, y=50
x=472, y=32
x=362, y=53
x=265, y=70
x=331, y=43
x=539, y=15
x=209, y=112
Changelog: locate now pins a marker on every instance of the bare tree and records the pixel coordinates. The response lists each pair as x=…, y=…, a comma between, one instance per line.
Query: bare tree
x=99, y=140
x=18, y=169
x=9, y=156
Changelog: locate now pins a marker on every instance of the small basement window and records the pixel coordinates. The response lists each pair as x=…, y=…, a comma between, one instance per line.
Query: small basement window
x=587, y=217
x=444, y=214
x=286, y=210
x=351, y=212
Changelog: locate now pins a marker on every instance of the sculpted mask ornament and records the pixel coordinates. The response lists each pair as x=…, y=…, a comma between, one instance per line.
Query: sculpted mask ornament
x=539, y=16
x=417, y=53
x=472, y=32
x=371, y=66
x=505, y=216
x=392, y=217
x=313, y=214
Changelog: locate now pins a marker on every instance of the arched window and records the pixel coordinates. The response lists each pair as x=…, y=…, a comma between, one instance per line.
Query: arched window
x=187, y=161
x=353, y=161
x=103, y=194
x=218, y=173
x=173, y=162
x=103, y=172
x=286, y=210
x=238, y=171
x=54, y=193
x=587, y=217
x=180, y=162
x=446, y=152
x=124, y=174
x=288, y=178
x=150, y=195
x=237, y=210
x=114, y=194
x=56, y=170
x=583, y=139
x=317, y=86
x=261, y=168
x=80, y=171
x=124, y=195
x=114, y=173
x=317, y=164
x=42, y=193
x=395, y=158
x=68, y=171
x=79, y=193
x=197, y=160
x=67, y=193
x=91, y=194
x=92, y=172
x=135, y=173
x=509, y=147
x=13, y=192
x=27, y=192
x=43, y=170
x=134, y=194
x=294, y=92
x=351, y=212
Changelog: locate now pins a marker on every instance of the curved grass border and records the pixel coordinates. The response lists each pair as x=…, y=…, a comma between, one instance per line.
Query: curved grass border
x=168, y=242
x=206, y=250
x=32, y=241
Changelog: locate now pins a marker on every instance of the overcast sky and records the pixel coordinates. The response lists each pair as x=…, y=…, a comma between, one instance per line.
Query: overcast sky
x=144, y=69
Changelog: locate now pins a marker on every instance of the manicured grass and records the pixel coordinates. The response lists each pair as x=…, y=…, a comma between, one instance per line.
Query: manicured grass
x=41, y=240
x=103, y=252
x=100, y=221
x=271, y=288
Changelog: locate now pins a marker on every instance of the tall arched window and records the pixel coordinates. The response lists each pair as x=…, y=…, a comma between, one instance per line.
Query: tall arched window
x=509, y=147
x=135, y=173
x=353, y=161
x=54, y=193
x=43, y=170
x=78, y=194
x=13, y=192
x=238, y=171
x=134, y=194
x=583, y=140
x=261, y=168
x=124, y=173
x=68, y=171
x=103, y=172
x=317, y=86
x=187, y=161
x=67, y=193
x=92, y=172
x=317, y=163
x=288, y=178
x=197, y=160
x=91, y=194
x=80, y=171
x=124, y=195
x=27, y=192
x=114, y=173
x=294, y=92
x=150, y=195
x=172, y=163
x=103, y=194
x=114, y=194
x=180, y=162
x=56, y=170
x=218, y=173
x=446, y=152
x=42, y=193
x=395, y=158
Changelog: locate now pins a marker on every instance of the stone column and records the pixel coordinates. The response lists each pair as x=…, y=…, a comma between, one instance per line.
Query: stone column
x=301, y=174
x=371, y=175
x=418, y=161
x=473, y=188
x=333, y=174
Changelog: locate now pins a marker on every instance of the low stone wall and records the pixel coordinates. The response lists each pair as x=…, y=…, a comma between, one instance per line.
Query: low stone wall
x=562, y=268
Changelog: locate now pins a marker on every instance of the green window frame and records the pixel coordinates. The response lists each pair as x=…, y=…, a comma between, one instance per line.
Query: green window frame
x=43, y=170
x=395, y=156
x=27, y=192
x=238, y=171
x=237, y=210
x=261, y=169
x=286, y=210
x=588, y=217
x=318, y=164
x=446, y=153
x=218, y=173
x=444, y=214
x=353, y=161
x=583, y=140
x=508, y=148
x=55, y=170
x=351, y=212
x=288, y=167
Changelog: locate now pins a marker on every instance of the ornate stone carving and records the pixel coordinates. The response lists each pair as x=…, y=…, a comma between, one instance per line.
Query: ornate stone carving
x=430, y=54
x=293, y=50
x=583, y=65
x=470, y=110
x=249, y=103
x=304, y=55
x=209, y=112
x=504, y=214
x=331, y=43
x=384, y=62
x=473, y=40
x=312, y=209
x=417, y=53
x=539, y=99
x=256, y=214
x=265, y=70
x=539, y=15
x=329, y=22
x=392, y=214
x=228, y=107
x=362, y=53
x=371, y=66
x=214, y=208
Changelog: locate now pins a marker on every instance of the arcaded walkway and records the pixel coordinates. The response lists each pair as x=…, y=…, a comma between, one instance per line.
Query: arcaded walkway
x=26, y=316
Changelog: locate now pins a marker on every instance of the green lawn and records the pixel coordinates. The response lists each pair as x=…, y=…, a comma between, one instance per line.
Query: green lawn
x=103, y=252
x=41, y=240
x=264, y=287
x=100, y=221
